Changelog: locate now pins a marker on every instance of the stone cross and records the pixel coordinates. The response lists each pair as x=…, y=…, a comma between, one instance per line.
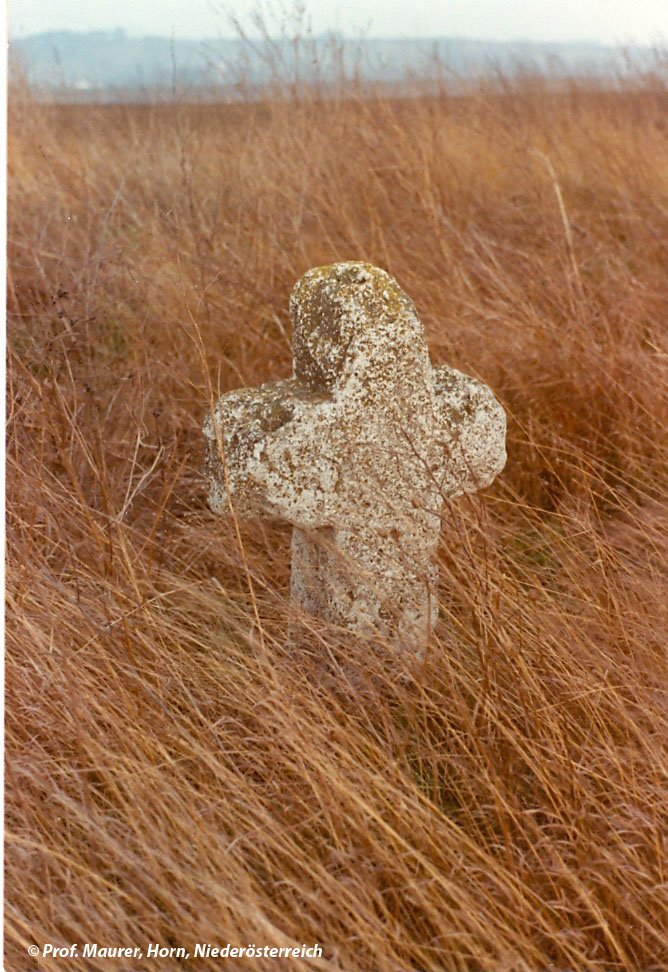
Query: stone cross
x=358, y=451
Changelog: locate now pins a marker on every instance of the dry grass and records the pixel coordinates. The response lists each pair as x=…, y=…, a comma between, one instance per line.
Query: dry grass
x=173, y=774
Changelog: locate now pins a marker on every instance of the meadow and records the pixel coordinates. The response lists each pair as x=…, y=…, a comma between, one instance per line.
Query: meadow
x=174, y=774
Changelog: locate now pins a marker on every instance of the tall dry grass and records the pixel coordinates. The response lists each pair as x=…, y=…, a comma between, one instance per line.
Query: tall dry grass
x=174, y=774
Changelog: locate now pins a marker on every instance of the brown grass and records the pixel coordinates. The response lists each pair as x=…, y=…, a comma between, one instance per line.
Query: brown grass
x=174, y=775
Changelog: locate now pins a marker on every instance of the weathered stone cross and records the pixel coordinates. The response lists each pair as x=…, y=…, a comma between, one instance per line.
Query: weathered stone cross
x=358, y=451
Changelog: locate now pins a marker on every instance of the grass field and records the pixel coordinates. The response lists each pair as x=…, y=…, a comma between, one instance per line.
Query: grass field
x=174, y=775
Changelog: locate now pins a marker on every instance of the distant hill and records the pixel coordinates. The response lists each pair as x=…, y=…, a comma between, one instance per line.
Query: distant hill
x=112, y=61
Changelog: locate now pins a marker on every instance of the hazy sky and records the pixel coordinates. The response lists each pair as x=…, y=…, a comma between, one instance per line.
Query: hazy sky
x=609, y=21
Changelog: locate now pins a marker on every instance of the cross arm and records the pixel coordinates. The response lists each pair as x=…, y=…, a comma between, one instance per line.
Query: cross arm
x=470, y=426
x=268, y=453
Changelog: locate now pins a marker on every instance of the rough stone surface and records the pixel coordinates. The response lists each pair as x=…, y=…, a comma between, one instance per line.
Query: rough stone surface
x=358, y=450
